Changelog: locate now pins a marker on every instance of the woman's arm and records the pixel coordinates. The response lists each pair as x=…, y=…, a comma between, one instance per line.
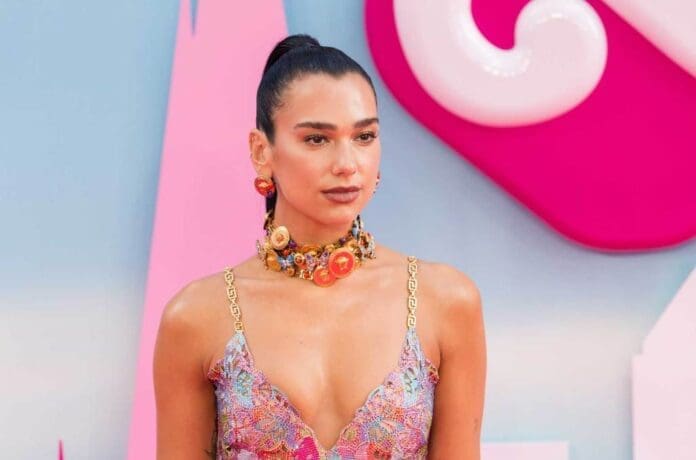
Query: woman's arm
x=184, y=397
x=459, y=395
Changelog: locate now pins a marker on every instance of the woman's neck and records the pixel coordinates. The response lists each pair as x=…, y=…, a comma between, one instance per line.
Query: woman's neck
x=305, y=230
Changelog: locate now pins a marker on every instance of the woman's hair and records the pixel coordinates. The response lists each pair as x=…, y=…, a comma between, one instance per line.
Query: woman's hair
x=295, y=56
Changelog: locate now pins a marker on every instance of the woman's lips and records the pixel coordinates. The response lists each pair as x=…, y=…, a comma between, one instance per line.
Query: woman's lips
x=342, y=197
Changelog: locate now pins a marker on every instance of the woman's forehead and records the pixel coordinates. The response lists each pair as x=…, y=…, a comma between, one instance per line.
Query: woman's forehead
x=340, y=100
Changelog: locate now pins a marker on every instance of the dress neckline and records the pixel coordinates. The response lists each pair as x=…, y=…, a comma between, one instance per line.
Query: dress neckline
x=411, y=338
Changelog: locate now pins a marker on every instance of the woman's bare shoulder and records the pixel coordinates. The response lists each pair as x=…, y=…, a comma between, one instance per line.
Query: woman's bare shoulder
x=196, y=303
x=191, y=299
x=453, y=294
x=444, y=284
x=456, y=299
x=455, y=287
x=188, y=311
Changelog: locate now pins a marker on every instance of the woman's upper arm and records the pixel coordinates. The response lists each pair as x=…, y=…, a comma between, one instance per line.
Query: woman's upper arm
x=459, y=396
x=184, y=397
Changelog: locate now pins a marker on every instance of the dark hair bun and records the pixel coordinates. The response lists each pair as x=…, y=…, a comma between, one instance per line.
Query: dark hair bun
x=287, y=44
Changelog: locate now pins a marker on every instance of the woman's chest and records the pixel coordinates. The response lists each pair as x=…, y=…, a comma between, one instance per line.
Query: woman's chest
x=256, y=415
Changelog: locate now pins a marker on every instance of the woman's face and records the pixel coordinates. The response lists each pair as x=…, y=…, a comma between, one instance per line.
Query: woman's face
x=326, y=136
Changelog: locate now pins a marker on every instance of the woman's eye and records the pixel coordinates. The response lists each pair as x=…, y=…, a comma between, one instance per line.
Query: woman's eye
x=317, y=139
x=367, y=137
x=314, y=140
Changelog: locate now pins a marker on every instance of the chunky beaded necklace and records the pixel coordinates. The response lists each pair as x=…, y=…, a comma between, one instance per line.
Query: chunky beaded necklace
x=321, y=264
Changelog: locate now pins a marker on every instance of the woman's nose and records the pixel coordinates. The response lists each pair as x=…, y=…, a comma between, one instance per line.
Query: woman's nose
x=344, y=162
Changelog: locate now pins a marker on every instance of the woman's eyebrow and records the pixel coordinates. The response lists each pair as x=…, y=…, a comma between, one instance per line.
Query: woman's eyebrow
x=329, y=126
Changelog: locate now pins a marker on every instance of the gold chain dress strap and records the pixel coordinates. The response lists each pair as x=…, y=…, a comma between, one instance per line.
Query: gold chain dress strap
x=232, y=296
x=412, y=285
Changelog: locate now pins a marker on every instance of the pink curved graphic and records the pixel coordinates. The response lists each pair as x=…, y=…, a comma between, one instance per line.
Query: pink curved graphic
x=207, y=210
x=615, y=173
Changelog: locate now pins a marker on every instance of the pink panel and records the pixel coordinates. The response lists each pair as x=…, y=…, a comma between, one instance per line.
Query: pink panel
x=669, y=24
x=208, y=214
x=616, y=172
x=525, y=451
x=664, y=383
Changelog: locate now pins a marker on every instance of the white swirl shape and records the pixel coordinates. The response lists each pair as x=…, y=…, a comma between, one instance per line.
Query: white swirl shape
x=559, y=56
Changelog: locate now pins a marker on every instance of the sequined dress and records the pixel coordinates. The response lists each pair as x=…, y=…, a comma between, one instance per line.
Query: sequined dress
x=256, y=420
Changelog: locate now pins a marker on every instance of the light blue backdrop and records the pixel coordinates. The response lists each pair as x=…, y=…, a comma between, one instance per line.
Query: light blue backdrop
x=84, y=89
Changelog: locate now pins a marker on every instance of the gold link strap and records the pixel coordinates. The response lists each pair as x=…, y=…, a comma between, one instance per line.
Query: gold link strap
x=412, y=300
x=412, y=285
x=232, y=296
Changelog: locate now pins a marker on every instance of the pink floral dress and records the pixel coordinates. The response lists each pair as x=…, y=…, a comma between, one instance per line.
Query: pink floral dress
x=256, y=420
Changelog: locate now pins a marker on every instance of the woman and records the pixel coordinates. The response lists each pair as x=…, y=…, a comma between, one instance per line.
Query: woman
x=293, y=352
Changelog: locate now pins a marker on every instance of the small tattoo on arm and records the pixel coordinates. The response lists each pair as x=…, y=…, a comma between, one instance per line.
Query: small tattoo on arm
x=477, y=424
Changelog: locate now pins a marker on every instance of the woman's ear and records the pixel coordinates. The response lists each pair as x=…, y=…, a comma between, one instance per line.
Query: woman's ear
x=260, y=151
